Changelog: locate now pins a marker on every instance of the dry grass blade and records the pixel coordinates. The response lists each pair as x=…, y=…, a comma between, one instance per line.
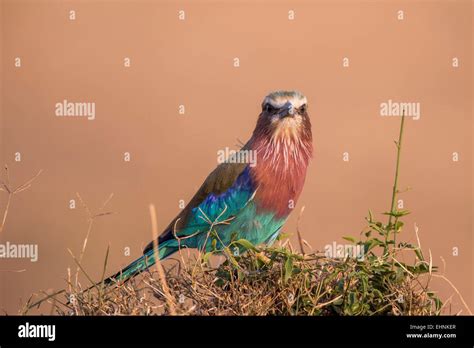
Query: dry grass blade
x=300, y=239
x=28, y=183
x=82, y=269
x=11, y=192
x=456, y=290
x=36, y=304
x=159, y=267
x=91, y=218
x=13, y=270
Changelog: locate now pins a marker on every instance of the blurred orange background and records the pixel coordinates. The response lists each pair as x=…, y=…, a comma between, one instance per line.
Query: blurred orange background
x=190, y=62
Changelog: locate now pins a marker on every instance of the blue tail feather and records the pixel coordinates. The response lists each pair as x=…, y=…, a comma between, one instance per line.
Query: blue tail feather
x=141, y=264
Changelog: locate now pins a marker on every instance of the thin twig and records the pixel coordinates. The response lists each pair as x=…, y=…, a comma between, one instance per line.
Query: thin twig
x=395, y=183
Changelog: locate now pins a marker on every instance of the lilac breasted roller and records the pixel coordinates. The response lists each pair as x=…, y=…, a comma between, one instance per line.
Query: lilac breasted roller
x=244, y=200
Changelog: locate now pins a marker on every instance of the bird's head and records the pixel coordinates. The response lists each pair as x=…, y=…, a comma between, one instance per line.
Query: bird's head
x=284, y=115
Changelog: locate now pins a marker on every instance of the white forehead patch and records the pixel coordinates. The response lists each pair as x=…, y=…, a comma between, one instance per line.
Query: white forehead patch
x=280, y=98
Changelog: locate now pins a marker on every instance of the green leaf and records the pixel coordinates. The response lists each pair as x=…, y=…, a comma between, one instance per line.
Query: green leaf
x=206, y=256
x=350, y=239
x=372, y=243
x=397, y=213
x=283, y=236
x=399, y=225
x=288, y=269
x=378, y=293
x=365, y=285
x=419, y=254
x=231, y=257
x=370, y=216
x=378, y=227
x=246, y=244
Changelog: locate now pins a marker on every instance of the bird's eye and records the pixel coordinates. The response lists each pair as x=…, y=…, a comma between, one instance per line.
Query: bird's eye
x=302, y=109
x=269, y=108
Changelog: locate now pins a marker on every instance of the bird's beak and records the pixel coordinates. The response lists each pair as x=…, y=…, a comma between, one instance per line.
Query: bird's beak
x=288, y=110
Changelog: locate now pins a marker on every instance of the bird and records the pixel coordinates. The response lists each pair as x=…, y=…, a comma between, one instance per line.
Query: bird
x=240, y=200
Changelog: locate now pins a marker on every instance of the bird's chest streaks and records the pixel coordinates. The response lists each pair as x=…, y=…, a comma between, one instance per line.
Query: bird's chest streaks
x=279, y=179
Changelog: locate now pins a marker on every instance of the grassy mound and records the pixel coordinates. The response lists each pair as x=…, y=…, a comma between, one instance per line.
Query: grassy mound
x=267, y=281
